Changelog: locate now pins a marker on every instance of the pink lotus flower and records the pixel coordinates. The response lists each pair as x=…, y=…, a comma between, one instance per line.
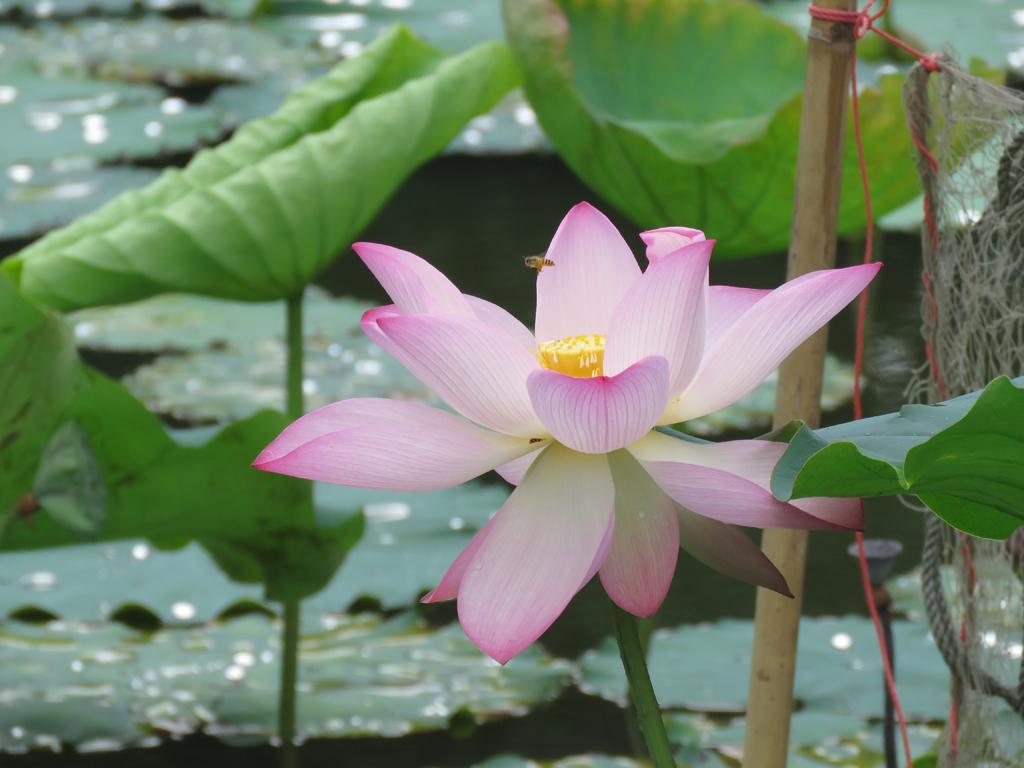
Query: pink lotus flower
x=568, y=415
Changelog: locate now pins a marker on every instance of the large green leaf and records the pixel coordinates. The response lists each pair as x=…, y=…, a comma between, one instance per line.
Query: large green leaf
x=687, y=112
x=964, y=458
x=258, y=217
x=258, y=526
x=38, y=367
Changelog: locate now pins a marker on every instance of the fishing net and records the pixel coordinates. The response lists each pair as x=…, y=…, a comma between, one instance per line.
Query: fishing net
x=971, y=136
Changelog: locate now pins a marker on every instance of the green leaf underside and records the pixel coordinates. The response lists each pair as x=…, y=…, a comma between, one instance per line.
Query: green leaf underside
x=650, y=105
x=259, y=216
x=963, y=458
x=110, y=687
x=69, y=483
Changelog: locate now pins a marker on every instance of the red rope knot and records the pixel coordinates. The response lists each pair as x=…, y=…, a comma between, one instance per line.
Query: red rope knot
x=863, y=21
x=862, y=24
x=859, y=20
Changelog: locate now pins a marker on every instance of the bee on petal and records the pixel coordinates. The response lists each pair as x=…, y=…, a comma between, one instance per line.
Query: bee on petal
x=538, y=262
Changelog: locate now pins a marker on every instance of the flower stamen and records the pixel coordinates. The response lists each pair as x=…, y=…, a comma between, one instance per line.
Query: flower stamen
x=579, y=356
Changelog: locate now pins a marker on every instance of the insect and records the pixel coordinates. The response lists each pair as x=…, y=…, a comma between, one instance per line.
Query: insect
x=538, y=262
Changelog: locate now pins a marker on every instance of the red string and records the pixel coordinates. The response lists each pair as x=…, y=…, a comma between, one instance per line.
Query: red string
x=863, y=21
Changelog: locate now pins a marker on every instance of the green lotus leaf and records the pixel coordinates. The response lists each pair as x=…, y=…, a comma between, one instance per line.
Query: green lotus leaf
x=260, y=527
x=261, y=215
x=688, y=113
x=964, y=458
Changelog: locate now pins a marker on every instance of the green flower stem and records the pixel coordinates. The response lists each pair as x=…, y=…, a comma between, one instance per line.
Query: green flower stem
x=293, y=338
x=641, y=692
x=286, y=703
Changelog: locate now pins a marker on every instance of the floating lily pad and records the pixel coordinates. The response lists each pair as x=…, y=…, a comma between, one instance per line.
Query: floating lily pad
x=510, y=128
x=410, y=541
x=706, y=668
x=243, y=102
x=132, y=132
x=237, y=354
x=175, y=53
x=29, y=89
x=110, y=687
x=54, y=122
x=184, y=323
x=755, y=410
x=816, y=739
x=33, y=199
x=207, y=387
x=577, y=761
x=91, y=582
x=242, y=370
x=63, y=9
x=451, y=25
x=971, y=194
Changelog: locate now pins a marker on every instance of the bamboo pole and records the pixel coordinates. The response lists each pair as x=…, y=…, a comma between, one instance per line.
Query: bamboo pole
x=812, y=247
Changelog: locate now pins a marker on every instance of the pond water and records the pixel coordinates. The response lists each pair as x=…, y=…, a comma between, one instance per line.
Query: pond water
x=476, y=218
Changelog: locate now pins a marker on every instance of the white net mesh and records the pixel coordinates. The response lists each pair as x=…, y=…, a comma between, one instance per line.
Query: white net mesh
x=973, y=312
